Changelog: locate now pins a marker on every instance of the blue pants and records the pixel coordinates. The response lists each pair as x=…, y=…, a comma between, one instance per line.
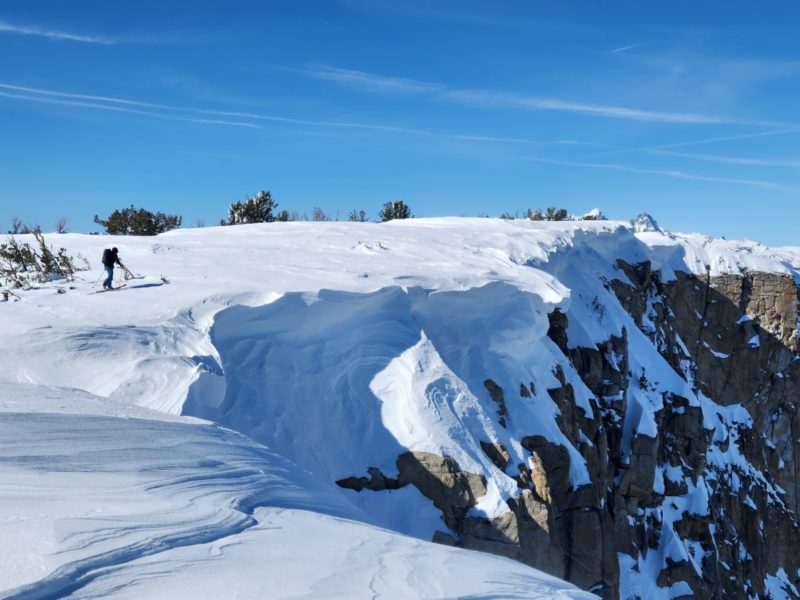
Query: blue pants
x=109, y=277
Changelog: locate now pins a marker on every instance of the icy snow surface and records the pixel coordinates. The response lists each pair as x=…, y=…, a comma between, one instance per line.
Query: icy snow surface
x=309, y=352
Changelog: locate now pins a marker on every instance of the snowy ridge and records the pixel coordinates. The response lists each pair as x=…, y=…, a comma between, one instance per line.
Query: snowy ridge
x=253, y=265
x=310, y=352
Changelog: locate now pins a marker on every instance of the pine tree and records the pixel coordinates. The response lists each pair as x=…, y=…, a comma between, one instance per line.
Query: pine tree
x=252, y=210
x=133, y=221
x=397, y=209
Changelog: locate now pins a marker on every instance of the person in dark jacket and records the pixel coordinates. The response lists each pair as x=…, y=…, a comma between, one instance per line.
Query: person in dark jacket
x=110, y=257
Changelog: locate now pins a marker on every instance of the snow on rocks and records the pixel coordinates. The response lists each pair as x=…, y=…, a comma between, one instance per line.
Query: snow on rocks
x=330, y=348
x=644, y=222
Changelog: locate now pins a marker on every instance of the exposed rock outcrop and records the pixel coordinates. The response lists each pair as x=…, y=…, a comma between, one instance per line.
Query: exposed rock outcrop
x=497, y=394
x=706, y=494
x=452, y=490
x=734, y=339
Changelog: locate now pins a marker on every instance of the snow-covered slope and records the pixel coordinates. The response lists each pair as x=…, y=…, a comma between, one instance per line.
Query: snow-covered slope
x=149, y=342
x=100, y=499
x=313, y=351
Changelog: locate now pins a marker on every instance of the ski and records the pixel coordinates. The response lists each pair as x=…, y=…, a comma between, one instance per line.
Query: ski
x=113, y=289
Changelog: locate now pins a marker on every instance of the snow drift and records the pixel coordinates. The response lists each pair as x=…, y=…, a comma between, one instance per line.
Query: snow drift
x=191, y=420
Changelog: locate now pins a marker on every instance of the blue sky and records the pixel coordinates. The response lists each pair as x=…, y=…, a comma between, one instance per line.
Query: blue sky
x=686, y=110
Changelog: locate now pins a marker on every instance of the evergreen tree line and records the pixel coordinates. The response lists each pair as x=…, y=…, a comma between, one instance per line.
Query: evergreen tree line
x=260, y=208
x=263, y=209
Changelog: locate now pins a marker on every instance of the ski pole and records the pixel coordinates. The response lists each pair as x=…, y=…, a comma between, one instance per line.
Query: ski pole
x=126, y=272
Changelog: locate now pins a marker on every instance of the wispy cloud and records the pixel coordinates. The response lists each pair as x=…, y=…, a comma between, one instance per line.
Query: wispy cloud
x=701, y=142
x=370, y=82
x=498, y=99
x=626, y=48
x=489, y=99
x=107, y=107
x=249, y=119
x=726, y=138
x=768, y=185
x=86, y=38
x=731, y=160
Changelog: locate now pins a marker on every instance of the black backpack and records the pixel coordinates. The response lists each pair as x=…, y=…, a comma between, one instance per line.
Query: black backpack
x=108, y=258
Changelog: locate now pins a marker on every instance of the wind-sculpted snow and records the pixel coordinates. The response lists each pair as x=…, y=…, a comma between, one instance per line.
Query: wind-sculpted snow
x=302, y=555
x=87, y=483
x=317, y=351
x=148, y=343
x=101, y=499
x=411, y=379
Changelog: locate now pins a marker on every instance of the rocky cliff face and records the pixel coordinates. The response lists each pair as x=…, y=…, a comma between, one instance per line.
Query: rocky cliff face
x=700, y=499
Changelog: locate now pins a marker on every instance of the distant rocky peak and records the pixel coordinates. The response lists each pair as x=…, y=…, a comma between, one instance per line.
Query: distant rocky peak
x=645, y=222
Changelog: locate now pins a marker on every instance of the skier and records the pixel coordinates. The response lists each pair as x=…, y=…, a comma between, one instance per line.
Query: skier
x=109, y=258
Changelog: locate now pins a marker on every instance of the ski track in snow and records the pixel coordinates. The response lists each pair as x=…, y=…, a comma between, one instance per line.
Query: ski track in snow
x=337, y=346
